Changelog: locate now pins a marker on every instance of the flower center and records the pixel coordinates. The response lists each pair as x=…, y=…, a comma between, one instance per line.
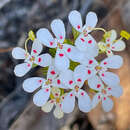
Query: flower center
x=98, y=68
x=57, y=100
x=104, y=91
x=49, y=81
x=76, y=88
x=32, y=59
x=59, y=45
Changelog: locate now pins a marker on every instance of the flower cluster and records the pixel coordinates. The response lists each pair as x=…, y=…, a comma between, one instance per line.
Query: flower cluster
x=72, y=64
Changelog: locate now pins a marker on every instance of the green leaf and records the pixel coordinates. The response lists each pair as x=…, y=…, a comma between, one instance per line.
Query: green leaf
x=73, y=65
x=75, y=33
x=52, y=51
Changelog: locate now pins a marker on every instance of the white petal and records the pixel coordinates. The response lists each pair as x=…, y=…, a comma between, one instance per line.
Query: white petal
x=61, y=60
x=58, y=113
x=21, y=69
x=36, y=48
x=115, y=91
x=107, y=104
x=82, y=73
x=18, y=53
x=67, y=78
x=75, y=20
x=109, y=52
x=52, y=72
x=87, y=44
x=113, y=36
x=96, y=99
x=43, y=60
x=95, y=83
x=110, y=78
x=73, y=53
x=113, y=62
x=45, y=37
x=58, y=29
x=119, y=45
x=31, y=84
x=47, y=107
x=84, y=101
x=68, y=103
x=41, y=97
x=91, y=19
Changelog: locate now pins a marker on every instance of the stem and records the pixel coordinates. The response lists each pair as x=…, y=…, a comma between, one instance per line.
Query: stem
x=101, y=29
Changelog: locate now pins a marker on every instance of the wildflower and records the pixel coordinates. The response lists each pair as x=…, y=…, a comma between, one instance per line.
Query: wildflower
x=56, y=100
x=64, y=52
x=111, y=44
x=103, y=93
x=74, y=81
x=30, y=59
x=85, y=42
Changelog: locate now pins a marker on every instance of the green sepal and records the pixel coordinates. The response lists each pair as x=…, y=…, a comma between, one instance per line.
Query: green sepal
x=34, y=65
x=44, y=71
x=92, y=90
x=52, y=52
x=68, y=41
x=73, y=65
x=75, y=33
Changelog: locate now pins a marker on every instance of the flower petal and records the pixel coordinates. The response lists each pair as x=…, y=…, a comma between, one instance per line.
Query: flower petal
x=58, y=113
x=31, y=84
x=73, y=53
x=119, y=45
x=21, y=69
x=45, y=37
x=68, y=103
x=113, y=36
x=36, y=48
x=115, y=91
x=95, y=83
x=91, y=20
x=96, y=99
x=67, y=78
x=58, y=29
x=41, y=97
x=107, y=104
x=47, y=107
x=18, y=53
x=75, y=20
x=113, y=62
x=87, y=44
x=43, y=60
x=109, y=78
x=84, y=101
x=61, y=60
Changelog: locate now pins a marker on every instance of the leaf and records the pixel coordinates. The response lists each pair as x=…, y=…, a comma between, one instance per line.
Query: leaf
x=52, y=51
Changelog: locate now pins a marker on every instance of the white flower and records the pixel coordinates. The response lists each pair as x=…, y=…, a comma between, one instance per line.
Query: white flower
x=85, y=42
x=56, y=100
x=42, y=60
x=104, y=93
x=92, y=68
x=64, y=51
x=74, y=81
x=41, y=97
x=111, y=44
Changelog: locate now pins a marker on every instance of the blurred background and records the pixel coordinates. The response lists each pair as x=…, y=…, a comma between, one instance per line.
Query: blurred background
x=17, y=17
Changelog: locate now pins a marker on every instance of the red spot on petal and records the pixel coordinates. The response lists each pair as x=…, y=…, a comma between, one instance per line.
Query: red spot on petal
x=78, y=26
x=82, y=39
x=71, y=94
x=28, y=65
x=108, y=40
x=79, y=80
x=82, y=93
x=47, y=89
x=103, y=74
x=105, y=63
x=109, y=88
x=60, y=105
x=108, y=51
x=89, y=71
x=51, y=43
x=104, y=98
x=98, y=85
x=34, y=51
x=58, y=81
x=99, y=97
x=39, y=59
x=61, y=54
x=56, y=94
x=113, y=47
x=39, y=81
x=85, y=35
x=62, y=97
x=69, y=50
x=70, y=82
x=53, y=72
x=52, y=101
x=90, y=62
x=61, y=37
x=50, y=80
x=90, y=41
